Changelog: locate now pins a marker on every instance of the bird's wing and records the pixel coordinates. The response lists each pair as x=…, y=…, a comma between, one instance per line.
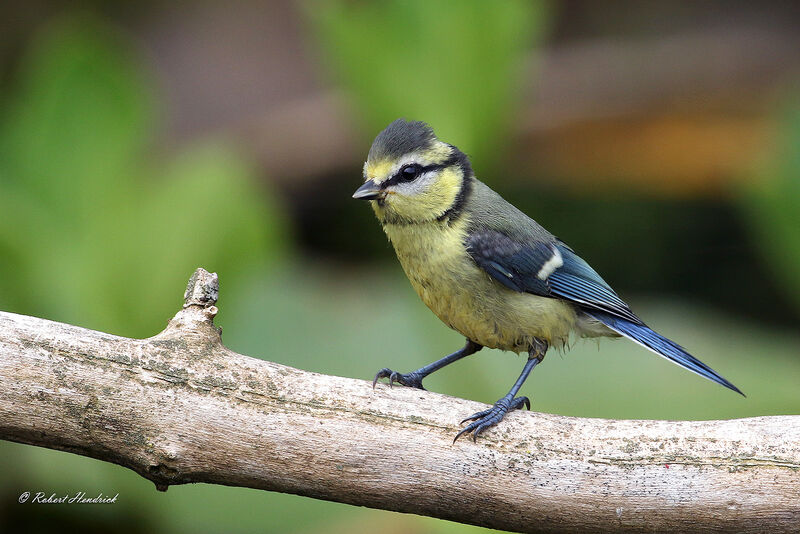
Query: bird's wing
x=546, y=268
x=550, y=268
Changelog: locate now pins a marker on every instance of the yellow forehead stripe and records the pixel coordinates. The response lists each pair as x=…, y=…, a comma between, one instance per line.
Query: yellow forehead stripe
x=378, y=170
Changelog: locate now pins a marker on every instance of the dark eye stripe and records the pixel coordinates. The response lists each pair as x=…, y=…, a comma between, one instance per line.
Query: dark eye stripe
x=399, y=178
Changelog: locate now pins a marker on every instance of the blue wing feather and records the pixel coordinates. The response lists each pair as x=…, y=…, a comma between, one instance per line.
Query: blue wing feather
x=662, y=346
x=510, y=262
x=501, y=274
x=518, y=265
x=575, y=280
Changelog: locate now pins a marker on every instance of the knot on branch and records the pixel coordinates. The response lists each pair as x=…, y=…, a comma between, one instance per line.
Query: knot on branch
x=162, y=476
x=202, y=289
x=195, y=321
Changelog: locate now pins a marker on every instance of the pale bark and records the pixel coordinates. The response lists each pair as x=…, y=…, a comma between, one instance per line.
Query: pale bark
x=180, y=407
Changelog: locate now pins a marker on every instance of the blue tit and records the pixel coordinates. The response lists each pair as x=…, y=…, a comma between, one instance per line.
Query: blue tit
x=486, y=269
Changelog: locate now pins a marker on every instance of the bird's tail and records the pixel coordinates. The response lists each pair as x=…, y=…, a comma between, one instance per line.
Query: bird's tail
x=662, y=346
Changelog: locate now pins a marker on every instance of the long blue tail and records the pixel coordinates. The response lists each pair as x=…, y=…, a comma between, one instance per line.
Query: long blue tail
x=662, y=346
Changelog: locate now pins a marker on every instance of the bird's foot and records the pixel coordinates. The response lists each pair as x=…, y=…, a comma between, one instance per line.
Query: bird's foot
x=487, y=418
x=412, y=380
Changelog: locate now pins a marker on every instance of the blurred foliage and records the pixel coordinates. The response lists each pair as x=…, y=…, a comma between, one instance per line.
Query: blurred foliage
x=102, y=228
x=771, y=200
x=457, y=66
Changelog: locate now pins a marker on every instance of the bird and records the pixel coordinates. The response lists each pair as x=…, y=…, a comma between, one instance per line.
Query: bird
x=486, y=269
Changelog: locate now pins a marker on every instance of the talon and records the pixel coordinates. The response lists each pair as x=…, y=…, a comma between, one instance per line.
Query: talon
x=475, y=416
x=383, y=373
x=410, y=380
x=519, y=401
x=488, y=418
x=465, y=430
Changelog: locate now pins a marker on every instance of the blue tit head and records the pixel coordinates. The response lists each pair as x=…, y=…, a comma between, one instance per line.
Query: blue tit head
x=410, y=176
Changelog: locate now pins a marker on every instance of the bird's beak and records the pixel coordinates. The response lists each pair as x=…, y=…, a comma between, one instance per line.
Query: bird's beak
x=369, y=191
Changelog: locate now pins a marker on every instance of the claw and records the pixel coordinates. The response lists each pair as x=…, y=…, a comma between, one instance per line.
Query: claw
x=476, y=416
x=488, y=418
x=467, y=429
x=478, y=430
x=383, y=373
x=411, y=379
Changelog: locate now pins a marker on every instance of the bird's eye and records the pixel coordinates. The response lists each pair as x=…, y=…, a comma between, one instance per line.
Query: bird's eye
x=409, y=172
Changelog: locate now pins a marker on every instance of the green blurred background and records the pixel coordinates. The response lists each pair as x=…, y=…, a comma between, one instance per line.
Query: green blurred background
x=141, y=140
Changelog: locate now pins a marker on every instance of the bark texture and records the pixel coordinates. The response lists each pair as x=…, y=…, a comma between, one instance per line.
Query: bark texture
x=180, y=407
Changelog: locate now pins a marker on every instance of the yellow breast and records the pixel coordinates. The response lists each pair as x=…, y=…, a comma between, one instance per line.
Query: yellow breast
x=466, y=298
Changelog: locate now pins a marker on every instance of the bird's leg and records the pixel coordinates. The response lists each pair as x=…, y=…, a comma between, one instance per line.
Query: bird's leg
x=414, y=378
x=487, y=418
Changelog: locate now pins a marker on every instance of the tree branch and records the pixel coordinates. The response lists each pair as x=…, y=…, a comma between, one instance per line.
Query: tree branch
x=180, y=407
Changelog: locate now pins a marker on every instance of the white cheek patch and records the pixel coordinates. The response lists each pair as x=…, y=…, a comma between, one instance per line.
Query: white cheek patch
x=555, y=261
